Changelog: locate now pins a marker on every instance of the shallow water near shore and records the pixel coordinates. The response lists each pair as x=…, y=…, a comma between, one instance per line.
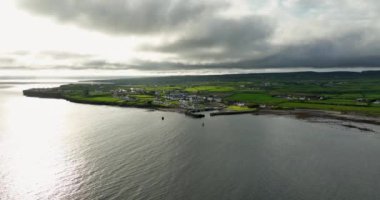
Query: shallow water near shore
x=54, y=149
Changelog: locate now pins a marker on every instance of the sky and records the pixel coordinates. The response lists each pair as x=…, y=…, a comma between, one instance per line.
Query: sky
x=151, y=37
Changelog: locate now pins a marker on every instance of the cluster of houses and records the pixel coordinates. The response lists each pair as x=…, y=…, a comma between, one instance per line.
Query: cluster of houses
x=193, y=101
x=190, y=101
x=123, y=92
x=185, y=100
x=177, y=96
x=300, y=98
x=363, y=100
x=311, y=98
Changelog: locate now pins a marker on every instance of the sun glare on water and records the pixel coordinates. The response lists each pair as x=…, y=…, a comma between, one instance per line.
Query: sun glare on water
x=33, y=151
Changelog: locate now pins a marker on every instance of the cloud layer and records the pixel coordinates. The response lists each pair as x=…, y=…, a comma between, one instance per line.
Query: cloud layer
x=217, y=34
x=125, y=17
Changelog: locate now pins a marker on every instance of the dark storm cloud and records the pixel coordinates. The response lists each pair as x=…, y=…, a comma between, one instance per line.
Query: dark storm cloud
x=124, y=16
x=139, y=65
x=349, y=50
x=342, y=33
x=232, y=38
x=345, y=51
x=105, y=65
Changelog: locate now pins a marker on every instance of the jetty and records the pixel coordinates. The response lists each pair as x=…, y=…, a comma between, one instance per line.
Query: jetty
x=232, y=113
x=194, y=114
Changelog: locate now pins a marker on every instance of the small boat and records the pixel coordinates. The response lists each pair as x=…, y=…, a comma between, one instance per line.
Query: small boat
x=203, y=124
x=162, y=118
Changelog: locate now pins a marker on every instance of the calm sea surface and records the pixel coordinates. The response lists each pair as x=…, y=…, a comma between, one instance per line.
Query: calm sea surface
x=53, y=149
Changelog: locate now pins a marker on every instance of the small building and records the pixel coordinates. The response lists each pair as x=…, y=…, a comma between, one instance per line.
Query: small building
x=119, y=93
x=136, y=90
x=128, y=98
x=176, y=96
x=241, y=104
x=195, y=98
x=218, y=100
x=289, y=98
x=361, y=100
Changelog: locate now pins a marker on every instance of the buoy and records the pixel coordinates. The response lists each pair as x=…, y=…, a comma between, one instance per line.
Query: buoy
x=162, y=118
x=203, y=124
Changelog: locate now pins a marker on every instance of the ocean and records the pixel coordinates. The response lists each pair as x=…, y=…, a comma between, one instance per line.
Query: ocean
x=54, y=149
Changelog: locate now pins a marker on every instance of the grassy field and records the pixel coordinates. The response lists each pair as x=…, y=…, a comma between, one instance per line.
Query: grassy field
x=98, y=99
x=346, y=102
x=239, y=108
x=258, y=98
x=339, y=91
x=161, y=88
x=143, y=97
x=196, y=89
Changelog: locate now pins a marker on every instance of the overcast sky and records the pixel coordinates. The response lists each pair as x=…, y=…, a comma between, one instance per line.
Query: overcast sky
x=134, y=37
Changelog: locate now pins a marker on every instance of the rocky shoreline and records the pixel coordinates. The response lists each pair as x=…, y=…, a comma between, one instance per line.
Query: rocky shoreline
x=342, y=119
x=307, y=114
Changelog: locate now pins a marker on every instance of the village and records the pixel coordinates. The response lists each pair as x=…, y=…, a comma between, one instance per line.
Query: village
x=175, y=98
x=187, y=95
x=196, y=97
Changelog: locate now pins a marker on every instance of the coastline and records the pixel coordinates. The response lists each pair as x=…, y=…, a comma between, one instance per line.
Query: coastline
x=305, y=114
x=308, y=114
x=190, y=113
x=330, y=117
x=232, y=113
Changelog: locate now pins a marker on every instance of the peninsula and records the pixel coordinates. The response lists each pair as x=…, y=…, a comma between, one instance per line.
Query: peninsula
x=343, y=92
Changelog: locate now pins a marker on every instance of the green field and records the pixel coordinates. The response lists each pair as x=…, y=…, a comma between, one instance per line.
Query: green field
x=161, y=88
x=239, y=108
x=209, y=89
x=338, y=91
x=143, y=97
x=343, y=102
x=258, y=98
x=98, y=99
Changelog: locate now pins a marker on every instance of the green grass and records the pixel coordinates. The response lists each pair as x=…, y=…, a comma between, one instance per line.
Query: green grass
x=98, y=99
x=374, y=96
x=209, y=89
x=143, y=97
x=161, y=88
x=347, y=102
x=259, y=98
x=239, y=108
x=341, y=91
x=375, y=105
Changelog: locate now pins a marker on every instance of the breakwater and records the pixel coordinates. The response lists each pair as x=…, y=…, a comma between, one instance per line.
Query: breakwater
x=232, y=113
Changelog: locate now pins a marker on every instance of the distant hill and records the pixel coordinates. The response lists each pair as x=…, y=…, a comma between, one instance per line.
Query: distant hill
x=293, y=76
